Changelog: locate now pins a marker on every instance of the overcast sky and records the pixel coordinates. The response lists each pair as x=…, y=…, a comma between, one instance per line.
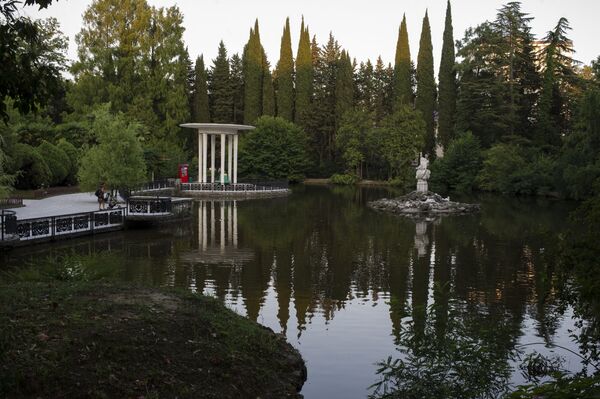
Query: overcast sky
x=367, y=28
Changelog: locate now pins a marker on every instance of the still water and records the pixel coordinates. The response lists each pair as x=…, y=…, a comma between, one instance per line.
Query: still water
x=341, y=281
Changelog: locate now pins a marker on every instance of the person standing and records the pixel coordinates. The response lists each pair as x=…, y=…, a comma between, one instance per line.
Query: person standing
x=100, y=194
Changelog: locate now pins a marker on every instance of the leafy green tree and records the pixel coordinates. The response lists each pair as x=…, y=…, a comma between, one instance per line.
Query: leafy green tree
x=268, y=94
x=402, y=135
x=558, y=75
x=118, y=159
x=458, y=169
x=579, y=160
x=304, y=77
x=6, y=180
x=253, y=75
x=133, y=56
x=73, y=155
x=426, y=88
x=57, y=160
x=200, y=107
x=284, y=76
x=30, y=64
x=276, y=149
x=403, y=80
x=352, y=139
x=447, y=81
x=221, y=96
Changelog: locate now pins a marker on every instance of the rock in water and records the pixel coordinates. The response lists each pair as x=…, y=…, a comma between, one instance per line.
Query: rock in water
x=419, y=205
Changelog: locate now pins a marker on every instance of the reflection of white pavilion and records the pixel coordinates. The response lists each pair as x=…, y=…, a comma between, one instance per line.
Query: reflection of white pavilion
x=218, y=235
x=229, y=136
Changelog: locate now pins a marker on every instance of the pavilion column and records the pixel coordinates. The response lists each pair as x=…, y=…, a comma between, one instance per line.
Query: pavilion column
x=204, y=156
x=235, y=156
x=222, y=159
x=213, y=144
x=229, y=156
x=199, y=156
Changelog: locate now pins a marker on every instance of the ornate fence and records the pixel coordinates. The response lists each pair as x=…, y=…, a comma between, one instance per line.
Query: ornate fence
x=244, y=187
x=63, y=225
x=11, y=202
x=149, y=207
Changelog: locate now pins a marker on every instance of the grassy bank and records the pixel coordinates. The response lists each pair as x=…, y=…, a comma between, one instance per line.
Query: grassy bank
x=101, y=340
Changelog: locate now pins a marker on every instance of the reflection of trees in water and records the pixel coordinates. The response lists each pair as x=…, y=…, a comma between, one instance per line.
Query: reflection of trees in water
x=320, y=248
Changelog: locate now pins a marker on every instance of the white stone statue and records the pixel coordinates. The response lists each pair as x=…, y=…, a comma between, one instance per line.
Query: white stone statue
x=422, y=175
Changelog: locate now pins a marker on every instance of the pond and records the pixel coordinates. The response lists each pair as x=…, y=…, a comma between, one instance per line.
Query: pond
x=343, y=282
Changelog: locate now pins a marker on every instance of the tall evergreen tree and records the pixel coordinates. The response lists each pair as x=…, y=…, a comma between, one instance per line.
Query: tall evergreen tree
x=426, y=90
x=447, y=81
x=221, y=96
x=253, y=76
x=284, y=79
x=237, y=86
x=268, y=92
x=517, y=71
x=344, y=87
x=403, y=88
x=365, y=87
x=304, y=77
x=200, y=107
x=558, y=75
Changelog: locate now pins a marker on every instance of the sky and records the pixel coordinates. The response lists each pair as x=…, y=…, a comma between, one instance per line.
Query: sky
x=367, y=28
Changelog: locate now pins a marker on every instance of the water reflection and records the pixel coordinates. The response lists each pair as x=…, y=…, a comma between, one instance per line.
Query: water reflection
x=344, y=282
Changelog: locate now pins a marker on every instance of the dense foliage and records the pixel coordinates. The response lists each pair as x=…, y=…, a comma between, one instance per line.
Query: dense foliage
x=118, y=159
x=276, y=149
x=530, y=106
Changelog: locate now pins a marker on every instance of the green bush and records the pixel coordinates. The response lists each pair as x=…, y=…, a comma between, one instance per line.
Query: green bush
x=458, y=169
x=29, y=167
x=343, y=179
x=57, y=160
x=512, y=169
x=73, y=156
x=276, y=149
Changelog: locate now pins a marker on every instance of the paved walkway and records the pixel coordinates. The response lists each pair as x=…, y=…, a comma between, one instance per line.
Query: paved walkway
x=58, y=205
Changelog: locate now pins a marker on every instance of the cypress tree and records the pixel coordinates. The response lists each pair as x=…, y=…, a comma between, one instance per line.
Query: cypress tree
x=403, y=92
x=253, y=75
x=221, y=97
x=285, y=76
x=268, y=93
x=304, y=77
x=344, y=87
x=426, y=90
x=200, y=108
x=447, y=79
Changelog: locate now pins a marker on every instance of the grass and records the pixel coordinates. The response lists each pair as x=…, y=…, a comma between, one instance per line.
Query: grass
x=97, y=339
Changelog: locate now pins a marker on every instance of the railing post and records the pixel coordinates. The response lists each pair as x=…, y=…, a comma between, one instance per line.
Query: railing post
x=53, y=228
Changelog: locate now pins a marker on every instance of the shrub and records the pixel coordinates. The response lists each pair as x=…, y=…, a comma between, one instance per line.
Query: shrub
x=57, y=160
x=343, y=179
x=29, y=167
x=512, y=169
x=458, y=169
x=73, y=156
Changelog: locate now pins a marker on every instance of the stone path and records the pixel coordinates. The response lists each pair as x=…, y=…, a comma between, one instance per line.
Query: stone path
x=57, y=205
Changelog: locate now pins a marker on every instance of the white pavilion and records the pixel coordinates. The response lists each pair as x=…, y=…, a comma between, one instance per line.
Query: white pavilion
x=229, y=134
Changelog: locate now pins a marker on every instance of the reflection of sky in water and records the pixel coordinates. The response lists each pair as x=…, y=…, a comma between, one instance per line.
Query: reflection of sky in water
x=339, y=279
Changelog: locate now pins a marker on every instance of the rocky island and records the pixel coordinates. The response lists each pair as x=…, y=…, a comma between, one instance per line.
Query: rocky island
x=422, y=203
